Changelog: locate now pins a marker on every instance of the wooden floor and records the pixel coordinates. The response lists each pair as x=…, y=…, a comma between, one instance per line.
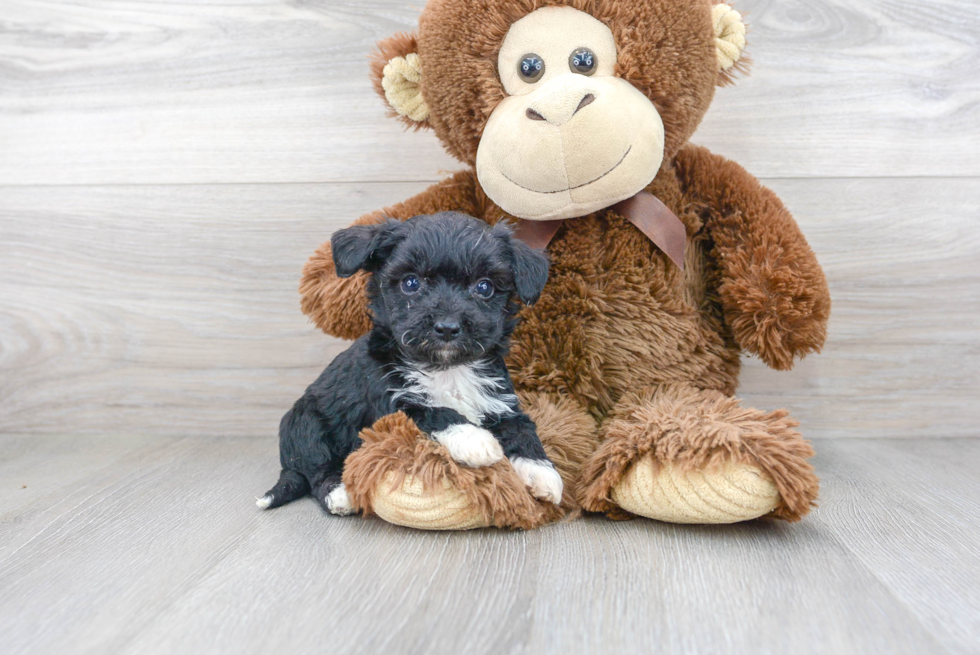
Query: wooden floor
x=153, y=545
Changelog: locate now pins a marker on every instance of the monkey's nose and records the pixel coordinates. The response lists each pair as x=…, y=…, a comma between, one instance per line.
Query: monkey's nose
x=447, y=329
x=559, y=108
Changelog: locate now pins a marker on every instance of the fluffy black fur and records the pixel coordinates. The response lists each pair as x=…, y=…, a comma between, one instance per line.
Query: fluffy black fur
x=445, y=322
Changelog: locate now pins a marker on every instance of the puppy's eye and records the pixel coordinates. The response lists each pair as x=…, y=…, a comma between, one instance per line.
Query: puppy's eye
x=410, y=284
x=531, y=68
x=483, y=288
x=582, y=61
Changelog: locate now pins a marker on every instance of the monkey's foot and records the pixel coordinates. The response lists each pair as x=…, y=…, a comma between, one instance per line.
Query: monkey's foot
x=733, y=492
x=411, y=504
x=410, y=480
x=684, y=455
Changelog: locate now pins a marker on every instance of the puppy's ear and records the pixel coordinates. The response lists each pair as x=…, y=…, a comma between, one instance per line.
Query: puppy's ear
x=530, y=270
x=364, y=247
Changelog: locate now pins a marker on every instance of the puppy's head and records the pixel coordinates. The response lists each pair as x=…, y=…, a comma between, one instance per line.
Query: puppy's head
x=444, y=288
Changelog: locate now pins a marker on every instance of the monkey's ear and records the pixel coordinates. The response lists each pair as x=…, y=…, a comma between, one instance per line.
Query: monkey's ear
x=364, y=247
x=729, y=42
x=396, y=70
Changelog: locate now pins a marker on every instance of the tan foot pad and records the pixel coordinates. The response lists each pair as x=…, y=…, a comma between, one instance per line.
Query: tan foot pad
x=411, y=506
x=732, y=493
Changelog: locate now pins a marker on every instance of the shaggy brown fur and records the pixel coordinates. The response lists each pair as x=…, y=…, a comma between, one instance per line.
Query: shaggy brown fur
x=773, y=291
x=616, y=316
x=695, y=429
x=395, y=445
x=567, y=432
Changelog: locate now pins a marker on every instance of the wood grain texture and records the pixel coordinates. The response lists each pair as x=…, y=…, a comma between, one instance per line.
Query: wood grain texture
x=923, y=551
x=173, y=309
x=159, y=91
x=167, y=167
x=157, y=548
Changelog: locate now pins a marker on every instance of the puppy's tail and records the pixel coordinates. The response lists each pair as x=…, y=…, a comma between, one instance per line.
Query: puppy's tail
x=291, y=485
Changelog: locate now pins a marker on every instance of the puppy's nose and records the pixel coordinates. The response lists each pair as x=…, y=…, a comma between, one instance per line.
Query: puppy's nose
x=447, y=329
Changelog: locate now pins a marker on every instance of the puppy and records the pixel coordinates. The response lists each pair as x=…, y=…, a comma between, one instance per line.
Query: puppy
x=444, y=292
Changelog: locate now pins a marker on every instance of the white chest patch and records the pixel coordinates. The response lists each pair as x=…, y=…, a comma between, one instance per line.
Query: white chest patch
x=468, y=389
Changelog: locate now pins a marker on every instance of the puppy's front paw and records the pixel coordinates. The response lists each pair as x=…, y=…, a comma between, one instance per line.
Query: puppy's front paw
x=338, y=502
x=470, y=445
x=541, y=478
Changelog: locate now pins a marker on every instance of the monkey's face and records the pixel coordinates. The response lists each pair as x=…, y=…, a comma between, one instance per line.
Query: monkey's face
x=563, y=109
x=570, y=137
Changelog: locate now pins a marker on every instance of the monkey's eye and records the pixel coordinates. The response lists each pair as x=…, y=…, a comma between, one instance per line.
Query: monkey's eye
x=582, y=61
x=410, y=284
x=531, y=68
x=483, y=288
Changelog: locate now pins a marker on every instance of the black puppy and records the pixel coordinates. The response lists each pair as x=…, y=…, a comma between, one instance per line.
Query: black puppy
x=444, y=294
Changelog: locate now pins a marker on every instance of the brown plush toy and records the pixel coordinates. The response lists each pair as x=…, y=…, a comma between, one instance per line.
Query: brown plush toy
x=667, y=261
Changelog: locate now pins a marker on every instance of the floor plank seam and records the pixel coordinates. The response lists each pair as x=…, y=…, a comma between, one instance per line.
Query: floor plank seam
x=434, y=180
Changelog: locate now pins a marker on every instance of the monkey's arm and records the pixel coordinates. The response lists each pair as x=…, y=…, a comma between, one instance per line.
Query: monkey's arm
x=338, y=306
x=772, y=289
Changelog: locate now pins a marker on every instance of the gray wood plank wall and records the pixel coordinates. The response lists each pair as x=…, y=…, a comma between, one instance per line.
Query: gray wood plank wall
x=166, y=168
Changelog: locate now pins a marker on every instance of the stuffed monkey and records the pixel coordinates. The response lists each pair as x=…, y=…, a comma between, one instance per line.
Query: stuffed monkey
x=572, y=118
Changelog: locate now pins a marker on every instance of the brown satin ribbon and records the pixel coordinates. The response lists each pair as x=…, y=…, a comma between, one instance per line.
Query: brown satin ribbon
x=537, y=234
x=644, y=210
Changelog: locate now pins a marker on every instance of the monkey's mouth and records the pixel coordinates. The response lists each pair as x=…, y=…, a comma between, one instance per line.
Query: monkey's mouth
x=571, y=188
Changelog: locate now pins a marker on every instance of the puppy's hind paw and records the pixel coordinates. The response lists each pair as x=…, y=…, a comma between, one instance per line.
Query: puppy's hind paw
x=338, y=502
x=470, y=445
x=264, y=502
x=540, y=477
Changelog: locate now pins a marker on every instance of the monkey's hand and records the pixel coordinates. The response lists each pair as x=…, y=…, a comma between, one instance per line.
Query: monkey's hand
x=772, y=288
